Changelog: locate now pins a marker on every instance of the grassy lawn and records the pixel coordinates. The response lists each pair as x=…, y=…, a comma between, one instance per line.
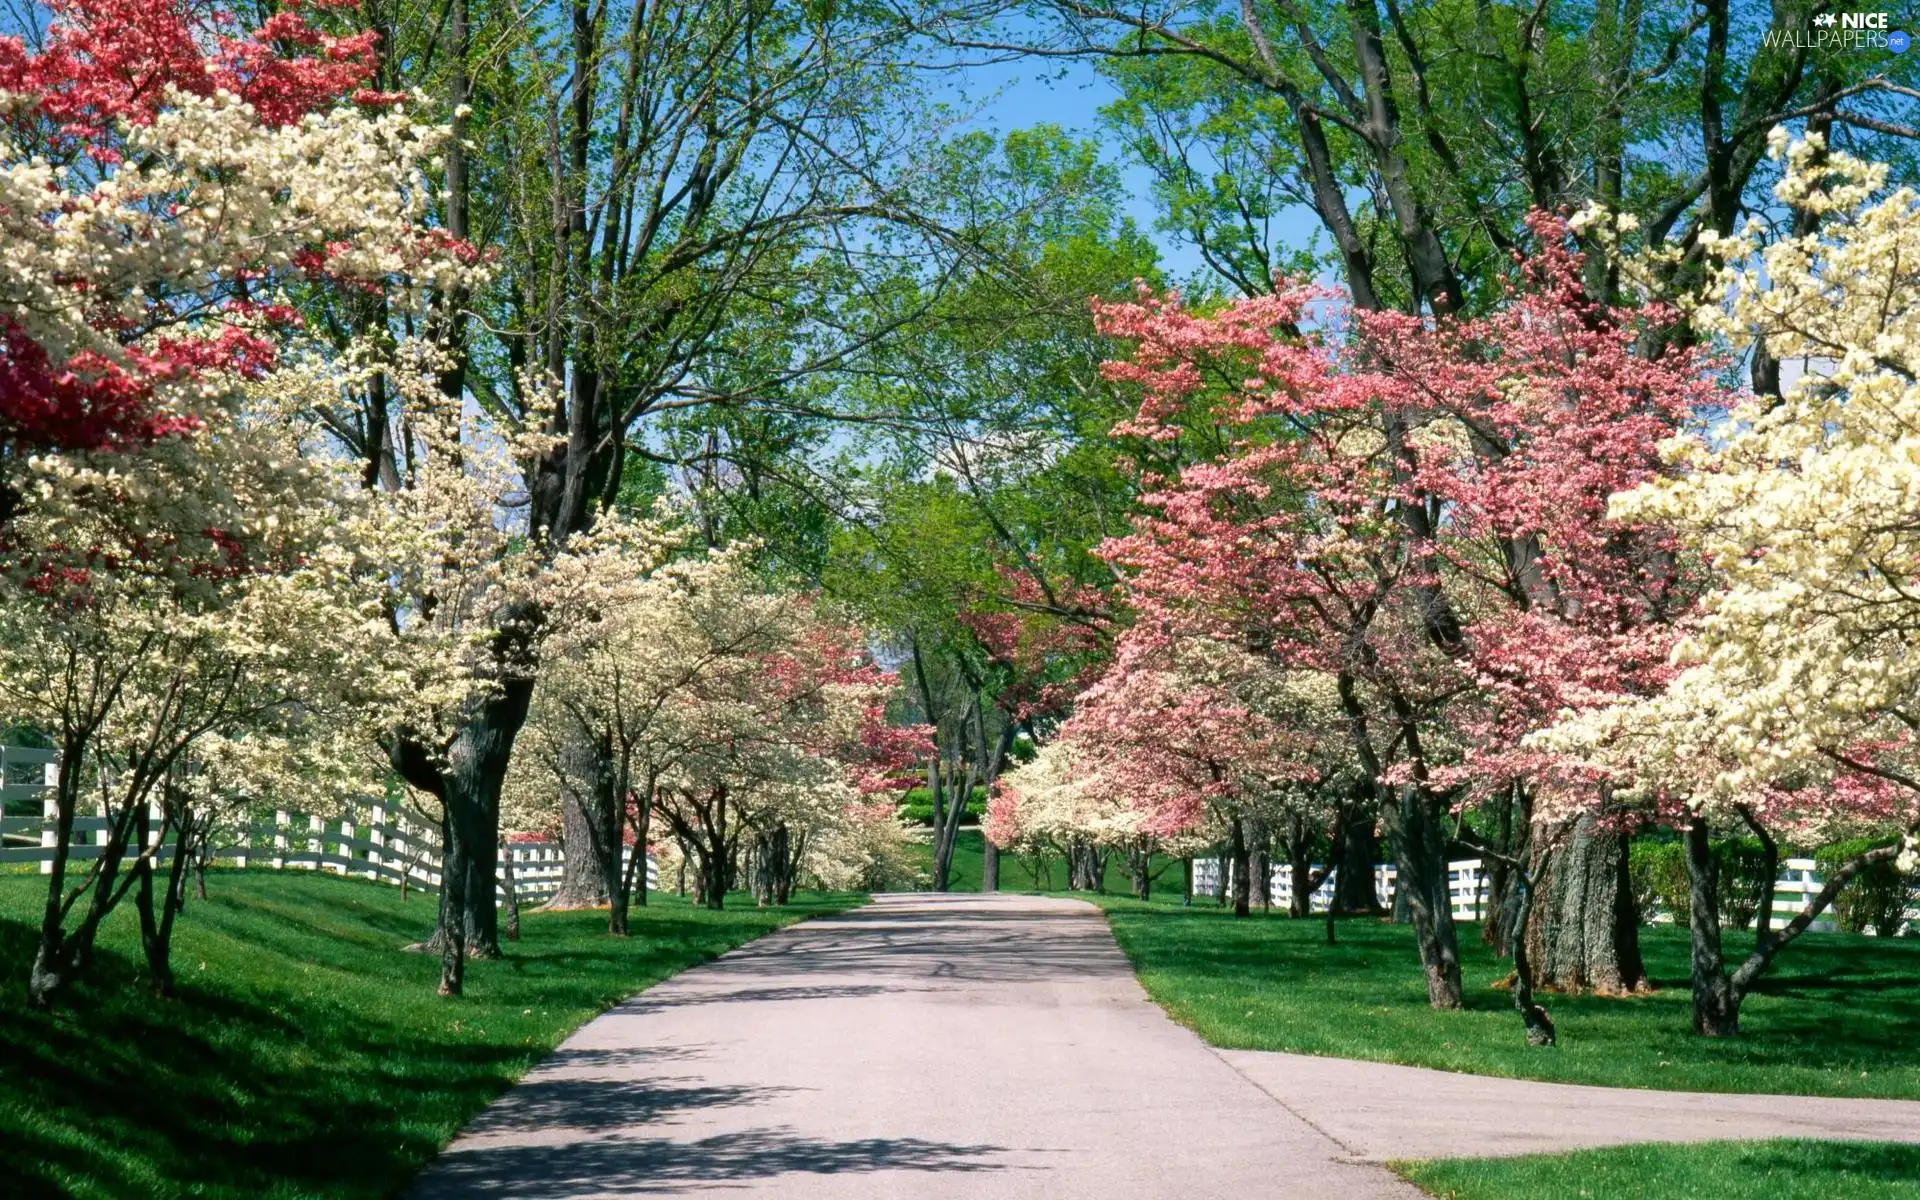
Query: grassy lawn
x=306, y=1056
x=1026, y=875
x=1783, y=1170
x=1839, y=1015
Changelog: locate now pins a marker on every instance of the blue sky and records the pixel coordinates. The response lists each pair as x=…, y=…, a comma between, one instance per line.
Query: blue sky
x=1069, y=93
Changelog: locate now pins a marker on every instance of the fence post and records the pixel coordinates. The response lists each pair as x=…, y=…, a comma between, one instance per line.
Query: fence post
x=50, y=813
x=376, y=838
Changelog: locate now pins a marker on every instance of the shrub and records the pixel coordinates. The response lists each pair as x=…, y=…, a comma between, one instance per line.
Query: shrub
x=917, y=806
x=1657, y=872
x=1659, y=877
x=1877, y=897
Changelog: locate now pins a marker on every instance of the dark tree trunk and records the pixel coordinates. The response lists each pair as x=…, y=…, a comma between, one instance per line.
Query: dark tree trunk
x=1585, y=934
x=468, y=787
x=1140, y=871
x=510, y=886
x=156, y=929
x=772, y=866
x=452, y=933
x=1186, y=882
x=1503, y=878
x=52, y=966
x=1300, y=871
x=1242, y=866
x=1419, y=847
x=1085, y=866
x=1260, y=863
x=989, y=866
x=1716, y=1006
x=1533, y=1018
x=713, y=880
x=1359, y=850
x=628, y=880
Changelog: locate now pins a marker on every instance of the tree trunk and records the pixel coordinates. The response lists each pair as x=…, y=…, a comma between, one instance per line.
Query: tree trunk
x=1533, y=1018
x=1419, y=848
x=989, y=866
x=453, y=930
x=51, y=970
x=1242, y=866
x=155, y=929
x=1186, y=882
x=1300, y=871
x=1716, y=1007
x=1140, y=869
x=1585, y=935
x=1260, y=863
x=468, y=787
x=1359, y=850
x=510, y=886
x=628, y=880
x=713, y=880
x=586, y=801
x=772, y=865
x=1503, y=879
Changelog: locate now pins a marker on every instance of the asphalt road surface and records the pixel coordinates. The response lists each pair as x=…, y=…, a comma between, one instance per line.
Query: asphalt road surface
x=954, y=1047
x=923, y=1046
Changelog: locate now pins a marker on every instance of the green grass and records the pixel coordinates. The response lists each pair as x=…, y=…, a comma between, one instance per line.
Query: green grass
x=1022, y=874
x=1839, y=1015
x=1780, y=1170
x=306, y=1056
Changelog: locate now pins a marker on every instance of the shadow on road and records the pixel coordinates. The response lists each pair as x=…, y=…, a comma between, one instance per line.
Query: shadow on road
x=658, y=1167
x=905, y=948
x=591, y=1104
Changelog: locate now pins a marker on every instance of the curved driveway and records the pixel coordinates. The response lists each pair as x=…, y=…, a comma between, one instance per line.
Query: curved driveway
x=923, y=1046
x=998, y=1046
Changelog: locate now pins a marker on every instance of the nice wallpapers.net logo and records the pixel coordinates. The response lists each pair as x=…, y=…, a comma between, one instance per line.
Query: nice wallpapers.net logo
x=1870, y=31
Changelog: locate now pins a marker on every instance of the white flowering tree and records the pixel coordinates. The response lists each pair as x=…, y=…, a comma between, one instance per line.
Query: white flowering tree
x=178, y=620
x=685, y=688
x=184, y=592
x=1797, y=696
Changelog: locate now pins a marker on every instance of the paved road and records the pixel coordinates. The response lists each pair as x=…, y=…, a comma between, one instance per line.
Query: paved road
x=1377, y=1111
x=924, y=1046
x=954, y=1047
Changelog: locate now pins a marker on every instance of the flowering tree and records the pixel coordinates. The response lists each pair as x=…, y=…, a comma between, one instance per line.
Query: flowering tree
x=745, y=720
x=182, y=587
x=1793, y=705
x=1412, y=510
x=593, y=738
x=178, y=620
x=121, y=288
x=1179, y=743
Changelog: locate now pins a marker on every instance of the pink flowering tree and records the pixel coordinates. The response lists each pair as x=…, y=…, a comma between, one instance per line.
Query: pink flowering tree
x=1414, y=510
x=122, y=290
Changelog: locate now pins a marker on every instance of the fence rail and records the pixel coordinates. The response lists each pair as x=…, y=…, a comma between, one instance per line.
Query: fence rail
x=375, y=841
x=1470, y=885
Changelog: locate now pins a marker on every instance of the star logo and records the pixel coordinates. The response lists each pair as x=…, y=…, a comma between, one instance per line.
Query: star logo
x=1824, y=19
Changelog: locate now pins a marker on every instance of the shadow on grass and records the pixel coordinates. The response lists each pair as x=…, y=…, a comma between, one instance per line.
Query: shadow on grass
x=305, y=1055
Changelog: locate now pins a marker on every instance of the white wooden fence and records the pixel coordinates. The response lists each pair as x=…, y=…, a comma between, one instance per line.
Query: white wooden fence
x=373, y=841
x=1470, y=886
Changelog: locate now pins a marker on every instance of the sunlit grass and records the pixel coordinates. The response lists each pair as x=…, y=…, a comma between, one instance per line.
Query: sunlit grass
x=1782, y=1170
x=1839, y=1015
